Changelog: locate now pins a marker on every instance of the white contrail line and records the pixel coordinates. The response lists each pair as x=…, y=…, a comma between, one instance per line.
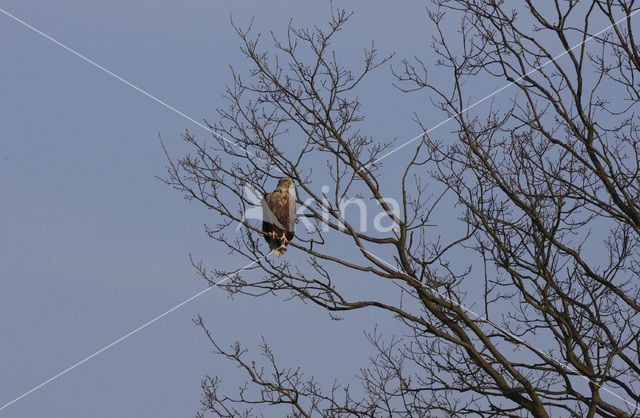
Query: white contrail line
x=507, y=333
x=124, y=337
x=498, y=91
x=149, y=95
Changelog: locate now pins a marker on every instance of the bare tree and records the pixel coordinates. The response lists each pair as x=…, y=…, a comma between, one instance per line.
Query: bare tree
x=546, y=185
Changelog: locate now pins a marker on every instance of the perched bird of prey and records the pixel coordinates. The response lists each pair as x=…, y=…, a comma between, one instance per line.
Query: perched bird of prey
x=279, y=216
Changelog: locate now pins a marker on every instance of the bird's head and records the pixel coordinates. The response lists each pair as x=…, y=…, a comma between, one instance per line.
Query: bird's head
x=285, y=182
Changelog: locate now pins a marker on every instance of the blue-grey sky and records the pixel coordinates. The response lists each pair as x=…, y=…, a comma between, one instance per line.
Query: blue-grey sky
x=92, y=245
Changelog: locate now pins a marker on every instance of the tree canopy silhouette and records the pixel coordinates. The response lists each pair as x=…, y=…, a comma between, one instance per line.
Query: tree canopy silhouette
x=529, y=305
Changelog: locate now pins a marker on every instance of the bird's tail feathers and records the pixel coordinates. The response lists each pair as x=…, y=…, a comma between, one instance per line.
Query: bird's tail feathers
x=277, y=248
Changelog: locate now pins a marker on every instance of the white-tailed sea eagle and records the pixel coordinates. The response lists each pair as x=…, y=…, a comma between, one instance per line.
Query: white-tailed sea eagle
x=279, y=216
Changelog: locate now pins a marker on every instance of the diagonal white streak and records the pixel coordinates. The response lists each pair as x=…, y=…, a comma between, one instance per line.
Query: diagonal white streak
x=128, y=83
x=498, y=91
x=266, y=162
x=129, y=334
x=507, y=333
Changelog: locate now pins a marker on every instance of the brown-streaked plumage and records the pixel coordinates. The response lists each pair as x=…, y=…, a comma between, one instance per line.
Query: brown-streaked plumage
x=279, y=216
